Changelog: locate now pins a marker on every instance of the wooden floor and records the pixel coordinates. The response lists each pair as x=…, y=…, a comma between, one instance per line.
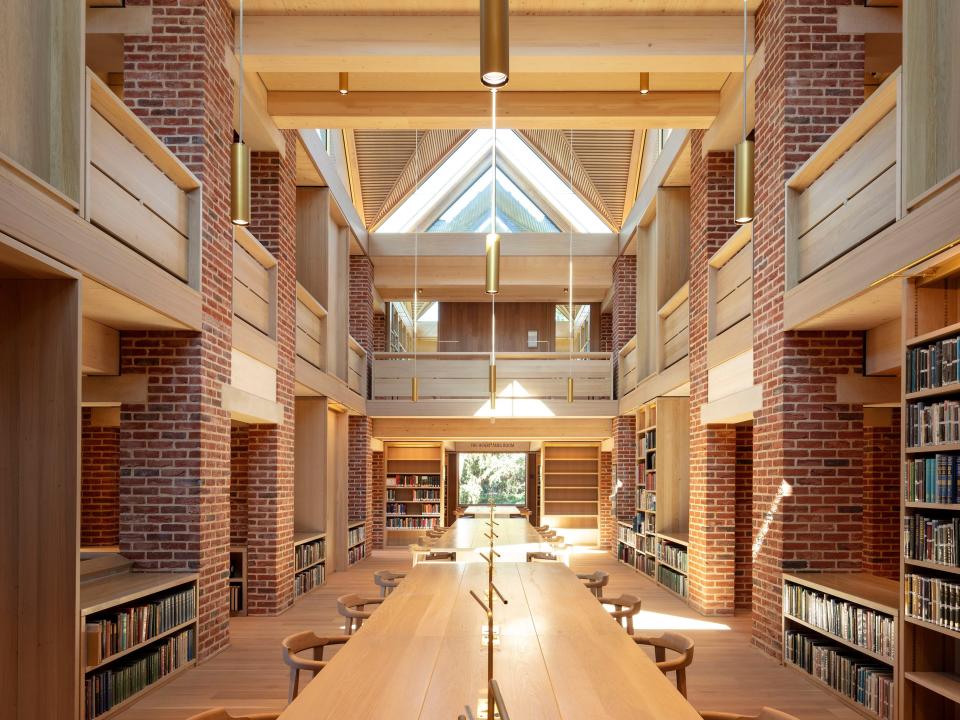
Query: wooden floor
x=727, y=673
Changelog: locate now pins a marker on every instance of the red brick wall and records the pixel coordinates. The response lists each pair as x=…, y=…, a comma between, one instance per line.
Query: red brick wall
x=608, y=525
x=625, y=465
x=238, y=484
x=606, y=332
x=360, y=472
x=881, y=498
x=378, y=496
x=712, y=448
x=270, y=560
x=623, y=317
x=379, y=333
x=361, y=301
x=177, y=446
x=743, y=568
x=99, y=483
x=807, y=448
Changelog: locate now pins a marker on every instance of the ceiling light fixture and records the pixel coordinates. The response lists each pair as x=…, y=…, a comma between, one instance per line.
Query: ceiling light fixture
x=344, y=86
x=743, y=155
x=240, y=156
x=494, y=42
x=644, y=83
x=570, y=281
x=414, y=381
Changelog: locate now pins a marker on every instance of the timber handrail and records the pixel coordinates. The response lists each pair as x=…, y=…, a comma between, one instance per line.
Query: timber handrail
x=481, y=355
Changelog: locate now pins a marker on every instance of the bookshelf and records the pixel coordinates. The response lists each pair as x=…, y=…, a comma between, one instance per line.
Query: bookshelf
x=356, y=541
x=661, y=515
x=569, y=502
x=238, y=580
x=850, y=619
x=414, y=498
x=139, y=631
x=309, y=556
x=929, y=669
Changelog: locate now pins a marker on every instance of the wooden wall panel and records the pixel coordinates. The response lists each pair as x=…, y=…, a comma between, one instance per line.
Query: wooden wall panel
x=313, y=211
x=469, y=325
x=310, y=465
x=336, y=490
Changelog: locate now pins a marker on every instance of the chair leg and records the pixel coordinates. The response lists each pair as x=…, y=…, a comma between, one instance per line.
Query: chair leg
x=294, y=684
x=682, y=681
x=659, y=653
x=629, y=624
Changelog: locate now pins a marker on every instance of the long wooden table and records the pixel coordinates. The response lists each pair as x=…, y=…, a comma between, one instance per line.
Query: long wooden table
x=515, y=536
x=421, y=654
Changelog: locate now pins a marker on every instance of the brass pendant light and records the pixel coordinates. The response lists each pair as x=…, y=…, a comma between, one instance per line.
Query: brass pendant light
x=743, y=179
x=344, y=85
x=240, y=157
x=494, y=42
x=644, y=83
x=414, y=381
x=570, y=282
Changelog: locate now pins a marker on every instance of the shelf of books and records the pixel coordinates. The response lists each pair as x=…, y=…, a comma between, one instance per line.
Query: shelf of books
x=139, y=631
x=840, y=630
x=569, y=503
x=659, y=527
x=310, y=561
x=414, y=490
x=356, y=541
x=930, y=622
x=238, y=580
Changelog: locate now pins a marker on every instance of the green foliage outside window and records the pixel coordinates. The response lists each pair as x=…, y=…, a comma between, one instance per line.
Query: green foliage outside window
x=500, y=477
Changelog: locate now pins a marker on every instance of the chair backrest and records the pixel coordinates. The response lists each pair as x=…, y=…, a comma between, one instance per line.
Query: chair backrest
x=347, y=605
x=541, y=555
x=222, y=714
x=298, y=642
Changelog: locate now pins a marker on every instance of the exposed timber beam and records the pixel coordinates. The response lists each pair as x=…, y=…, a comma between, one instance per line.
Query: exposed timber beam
x=727, y=129
x=860, y=20
x=521, y=110
x=444, y=44
x=474, y=244
x=260, y=131
x=134, y=20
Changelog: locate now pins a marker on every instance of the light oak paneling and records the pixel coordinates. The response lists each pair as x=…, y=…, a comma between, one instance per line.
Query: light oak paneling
x=310, y=464
x=101, y=349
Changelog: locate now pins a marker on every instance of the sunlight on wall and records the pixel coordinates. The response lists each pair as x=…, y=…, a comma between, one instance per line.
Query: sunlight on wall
x=768, y=518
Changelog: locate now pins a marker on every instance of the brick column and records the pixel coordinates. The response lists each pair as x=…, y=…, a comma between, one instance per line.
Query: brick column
x=712, y=448
x=99, y=483
x=606, y=332
x=808, y=449
x=378, y=496
x=624, y=467
x=175, y=449
x=360, y=473
x=881, y=498
x=624, y=307
x=239, y=464
x=623, y=326
x=743, y=566
x=270, y=562
x=608, y=526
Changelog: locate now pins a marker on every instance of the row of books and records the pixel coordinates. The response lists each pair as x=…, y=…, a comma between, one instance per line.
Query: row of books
x=356, y=535
x=648, y=441
x=638, y=523
x=236, y=598
x=650, y=480
x=412, y=523
x=932, y=479
x=866, y=682
x=401, y=508
x=106, y=689
x=413, y=480
x=121, y=629
x=868, y=628
x=650, y=543
x=413, y=494
x=626, y=535
x=673, y=580
x=930, y=424
x=650, y=524
x=626, y=554
x=310, y=552
x=648, y=501
x=931, y=538
x=673, y=555
x=933, y=365
x=356, y=554
x=932, y=600
x=308, y=579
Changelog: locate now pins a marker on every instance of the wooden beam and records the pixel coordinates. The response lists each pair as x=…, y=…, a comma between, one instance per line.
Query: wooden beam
x=338, y=191
x=654, y=179
x=481, y=428
x=103, y=390
x=101, y=349
x=727, y=129
x=134, y=20
x=866, y=390
x=474, y=244
x=250, y=408
x=353, y=170
x=520, y=110
x=860, y=20
x=538, y=43
x=734, y=408
x=260, y=132
x=506, y=408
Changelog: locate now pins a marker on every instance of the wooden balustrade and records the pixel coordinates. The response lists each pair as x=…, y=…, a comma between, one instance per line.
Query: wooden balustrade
x=848, y=190
x=357, y=368
x=254, y=283
x=464, y=376
x=311, y=329
x=136, y=188
x=731, y=282
x=674, y=330
x=627, y=372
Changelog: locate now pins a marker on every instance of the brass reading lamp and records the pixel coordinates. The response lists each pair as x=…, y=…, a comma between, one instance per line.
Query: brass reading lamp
x=240, y=156
x=743, y=154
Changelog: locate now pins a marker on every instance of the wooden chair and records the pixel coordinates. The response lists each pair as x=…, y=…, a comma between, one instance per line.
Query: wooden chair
x=624, y=608
x=387, y=581
x=298, y=643
x=353, y=608
x=595, y=581
x=542, y=556
x=677, y=643
x=541, y=528
x=221, y=714
x=765, y=714
x=435, y=555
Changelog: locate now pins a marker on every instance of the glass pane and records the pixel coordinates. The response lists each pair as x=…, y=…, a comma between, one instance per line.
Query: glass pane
x=402, y=326
x=500, y=478
x=581, y=328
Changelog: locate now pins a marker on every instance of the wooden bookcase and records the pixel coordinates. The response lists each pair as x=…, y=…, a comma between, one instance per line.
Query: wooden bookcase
x=813, y=605
x=929, y=667
x=569, y=501
x=660, y=526
x=102, y=598
x=238, y=580
x=310, y=562
x=414, y=498
x=356, y=541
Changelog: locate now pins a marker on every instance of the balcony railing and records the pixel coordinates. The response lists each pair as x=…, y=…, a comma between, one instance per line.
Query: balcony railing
x=136, y=188
x=731, y=282
x=311, y=329
x=357, y=368
x=627, y=374
x=254, y=283
x=674, y=330
x=465, y=376
x=847, y=191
